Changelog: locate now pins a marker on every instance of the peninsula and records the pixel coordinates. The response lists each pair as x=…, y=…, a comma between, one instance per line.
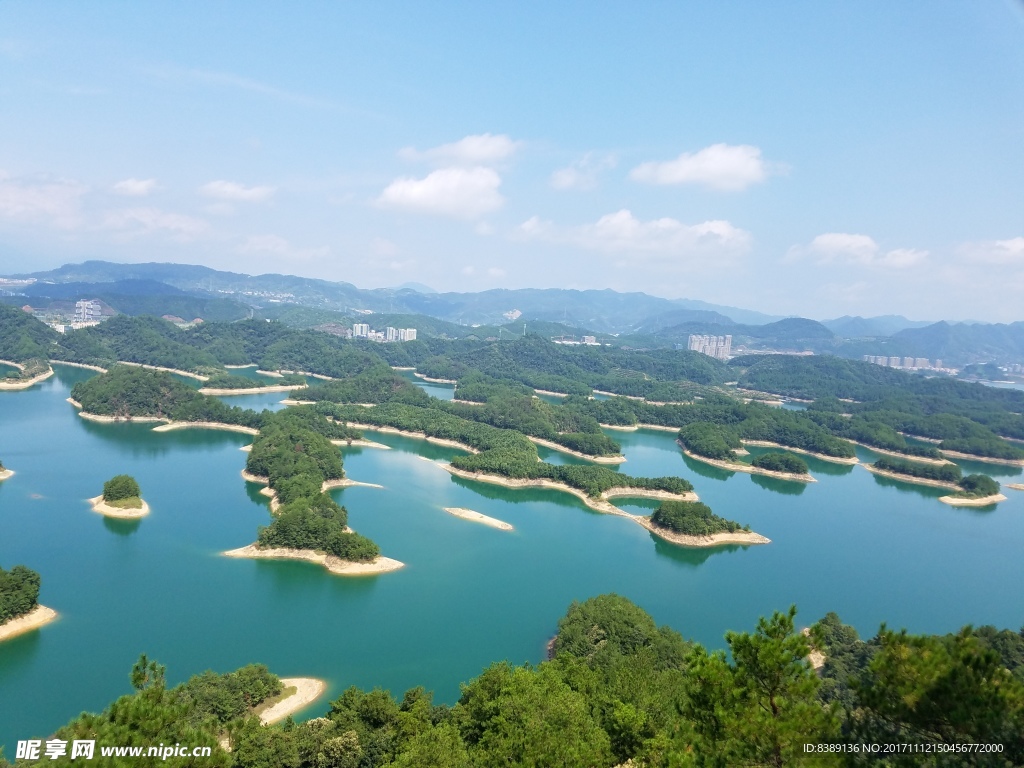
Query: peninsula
x=20, y=611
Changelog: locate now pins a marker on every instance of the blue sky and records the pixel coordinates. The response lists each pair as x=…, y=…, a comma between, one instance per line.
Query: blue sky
x=807, y=158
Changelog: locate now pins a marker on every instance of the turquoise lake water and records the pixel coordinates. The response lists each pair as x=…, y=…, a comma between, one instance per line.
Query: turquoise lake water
x=867, y=547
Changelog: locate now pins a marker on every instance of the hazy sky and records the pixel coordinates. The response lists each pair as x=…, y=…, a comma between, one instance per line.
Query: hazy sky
x=808, y=158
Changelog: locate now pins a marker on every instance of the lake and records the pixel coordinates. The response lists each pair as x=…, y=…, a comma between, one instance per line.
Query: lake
x=867, y=547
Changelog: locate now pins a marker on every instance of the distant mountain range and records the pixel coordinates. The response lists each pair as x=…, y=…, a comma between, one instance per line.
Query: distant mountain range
x=634, y=319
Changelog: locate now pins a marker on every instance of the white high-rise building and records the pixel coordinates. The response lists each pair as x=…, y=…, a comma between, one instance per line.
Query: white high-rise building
x=390, y=334
x=360, y=331
x=718, y=347
x=88, y=311
x=406, y=334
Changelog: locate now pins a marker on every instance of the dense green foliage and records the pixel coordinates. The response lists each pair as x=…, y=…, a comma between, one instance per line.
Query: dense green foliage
x=121, y=487
x=502, y=452
x=294, y=451
x=127, y=390
x=929, y=690
x=692, y=518
x=19, y=592
x=618, y=689
x=22, y=337
x=232, y=381
x=375, y=384
x=978, y=486
x=966, y=417
x=714, y=441
x=946, y=473
x=781, y=462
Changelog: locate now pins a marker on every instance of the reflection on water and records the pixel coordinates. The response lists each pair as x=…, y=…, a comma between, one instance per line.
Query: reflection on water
x=121, y=527
x=706, y=470
x=904, y=486
x=690, y=556
x=775, y=485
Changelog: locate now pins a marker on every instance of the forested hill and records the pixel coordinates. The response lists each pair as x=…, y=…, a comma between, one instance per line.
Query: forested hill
x=620, y=690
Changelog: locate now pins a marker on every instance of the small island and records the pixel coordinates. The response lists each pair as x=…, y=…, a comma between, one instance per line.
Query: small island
x=971, y=491
x=121, y=498
x=20, y=611
x=693, y=524
x=5, y=472
x=719, y=446
x=975, y=491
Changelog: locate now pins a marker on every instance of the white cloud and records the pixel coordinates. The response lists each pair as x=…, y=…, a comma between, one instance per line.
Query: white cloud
x=135, y=187
x=235, y=192
x=720, y=166
x=54, y=201
x=279, y=246
x=582, y=174
x=152, y=220
x=859, y=250
x=622, y=232
x=478, y=149
x=996, y=251
x=465, y=193
x=496, y=272
x=484, y=229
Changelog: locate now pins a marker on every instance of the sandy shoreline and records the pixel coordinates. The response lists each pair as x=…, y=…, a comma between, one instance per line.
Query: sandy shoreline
x=822, y=456
x=5, y=473
x=562, y=449
x=344, y=482
x=307, y=690
x=898, y=455
x=550, y=393
x=613, y=394
x=636, y=427
x=984, y=459
x=416, y=435
x=333, y=564
x=739, y=466
x=250, y=390
x=714, y=540
x=38, y=617
x=292, y=401
x=476, y=517
x=435, y=381
x=79, y=365
x=910, y=478
x=981, y=501
x=178, y=371
x=1015, y=486
x=114, y=419
x=361, y=443
x=247, y=365
x=11, y=386
x=121, y=513
x=172, y=425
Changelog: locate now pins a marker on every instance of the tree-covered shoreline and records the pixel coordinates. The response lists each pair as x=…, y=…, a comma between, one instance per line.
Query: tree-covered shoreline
x=620, y=690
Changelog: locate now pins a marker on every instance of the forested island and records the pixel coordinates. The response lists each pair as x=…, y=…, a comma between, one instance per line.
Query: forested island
x=970, y=490
x=618, y=690
x=20, y=610
x=692, y=523
x=5, y=472
x=121, y=498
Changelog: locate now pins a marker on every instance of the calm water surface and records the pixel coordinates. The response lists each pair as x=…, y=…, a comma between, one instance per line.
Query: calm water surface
x=869, y=548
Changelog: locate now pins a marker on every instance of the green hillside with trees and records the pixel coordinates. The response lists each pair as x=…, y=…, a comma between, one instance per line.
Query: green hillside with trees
x=619, y=690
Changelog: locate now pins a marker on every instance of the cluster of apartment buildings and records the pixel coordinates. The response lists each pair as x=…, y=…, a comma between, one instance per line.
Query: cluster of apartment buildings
x=905, y=363
x=590, y=341
x=718, y=347
x=389, y=334
x=87, y=313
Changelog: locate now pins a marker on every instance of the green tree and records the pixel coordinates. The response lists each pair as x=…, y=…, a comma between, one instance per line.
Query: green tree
x=121, y=487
